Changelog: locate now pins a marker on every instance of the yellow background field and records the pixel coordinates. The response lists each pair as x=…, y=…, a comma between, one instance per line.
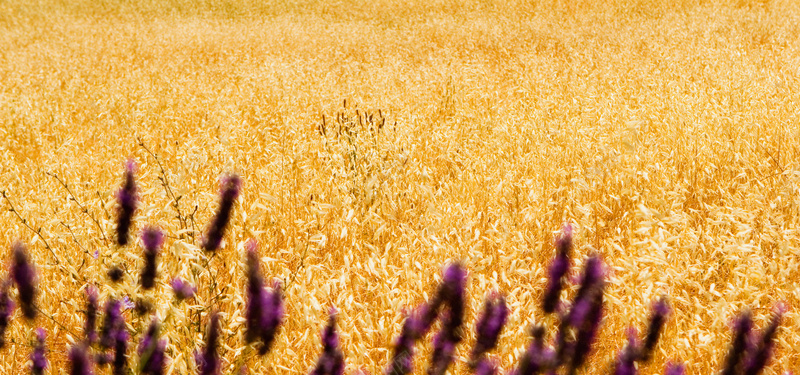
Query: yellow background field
x=666, y=133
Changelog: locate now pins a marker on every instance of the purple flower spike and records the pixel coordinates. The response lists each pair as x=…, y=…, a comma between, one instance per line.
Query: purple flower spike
x=627, y=357
x=216, y=230
x=763, y=351
x=91, y=314
x=38, y=359
x=490, y=323
x=675, y=369
x=208, y=362
x=6, y=309
x=151, y=351
x=537, y=358
x=331, y=362
x=127, y=199
x=120, y=351
x=485, y=367
x=741, y=333
x=182, y=289
x=24, y=275
x=112, y=324
x=445, y=342
x=557, y=271
x=152, y=238
x=658, y=317
x=80, y=363
x=403, y=352
x=584, y=316
x=264, y=309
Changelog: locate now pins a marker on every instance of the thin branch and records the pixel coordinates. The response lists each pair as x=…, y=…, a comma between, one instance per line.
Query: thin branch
x=165, y=182
x=25, y=223
x=83, y=208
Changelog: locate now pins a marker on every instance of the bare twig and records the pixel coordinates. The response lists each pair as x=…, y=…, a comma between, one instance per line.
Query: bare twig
x=81, y=205
x=165, y=183
x=35, y=231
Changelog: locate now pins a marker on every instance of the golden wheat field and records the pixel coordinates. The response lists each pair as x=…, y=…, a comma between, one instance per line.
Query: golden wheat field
x=666, y=133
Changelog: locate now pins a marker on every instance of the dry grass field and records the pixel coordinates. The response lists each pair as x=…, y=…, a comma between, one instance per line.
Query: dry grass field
x=665, y=133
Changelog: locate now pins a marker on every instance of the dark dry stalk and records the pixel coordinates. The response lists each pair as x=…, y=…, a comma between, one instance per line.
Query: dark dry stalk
x=165, y=183
x=83, y=208
x=24, y=222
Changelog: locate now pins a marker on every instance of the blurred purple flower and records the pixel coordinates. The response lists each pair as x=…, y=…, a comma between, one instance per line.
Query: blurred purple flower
x=626, y=360
x=91, y=314
x=658, y=317
x=485, y=367
x=763, y=350
x=127, y=304
x=538, y=358
x=6, y=309
x=490, y=323
x=403, y=352
x=741, y=333
x=24, y=275
x=115, y=274
x=331, y=362
x=38, y=359
x=675, y=369
x=151, y=351
x=112, y=324
x=444, y=345
x=182, y=289
x=120, y=350
x=216, y=230
x=127, y=199
x=264, y=309
x=558, y=270
x=152, y=238
x=80, y=363
x=208, y=361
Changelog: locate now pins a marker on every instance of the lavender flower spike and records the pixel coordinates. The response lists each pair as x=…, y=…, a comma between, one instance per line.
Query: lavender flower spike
x=216, y=230
x=741, y=332
x=675, y=369
x=127, y=199
x=208, y=362
x=490, y=323
x=91, y=315
x=485, y=367
x=80, y=363
x=24, y=275
x=6, y=309
x=626, y=359
x=658, y=318
x=256, y=295
x=182, y=289
x=762, y=353
x=587, y=311
x=120, y=351
x=152, y=238
x=273, y=317
x=403, y=352
x=537, y=358
x=557, y=271
x=331, y=362
x=38, y=359
x=151, y=351
x=447, y=339
x=112, y=324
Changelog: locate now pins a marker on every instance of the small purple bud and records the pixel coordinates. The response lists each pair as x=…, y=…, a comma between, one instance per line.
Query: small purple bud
x=127, y=304
x=558, y=270
x=216, y=230
x=675, y=369
x=152, y=238
x=38, y=359
x=763, y=352
x=6, y=309
x=741, y=332
x=658, y=318
x=151, y=351
x=91, y=314
x=208, y=361
x=24, y=275
x=490, y=323
x=80, y=363
x=331, y=362
x=96, y=254
x=127, y=199
x=182, y=289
